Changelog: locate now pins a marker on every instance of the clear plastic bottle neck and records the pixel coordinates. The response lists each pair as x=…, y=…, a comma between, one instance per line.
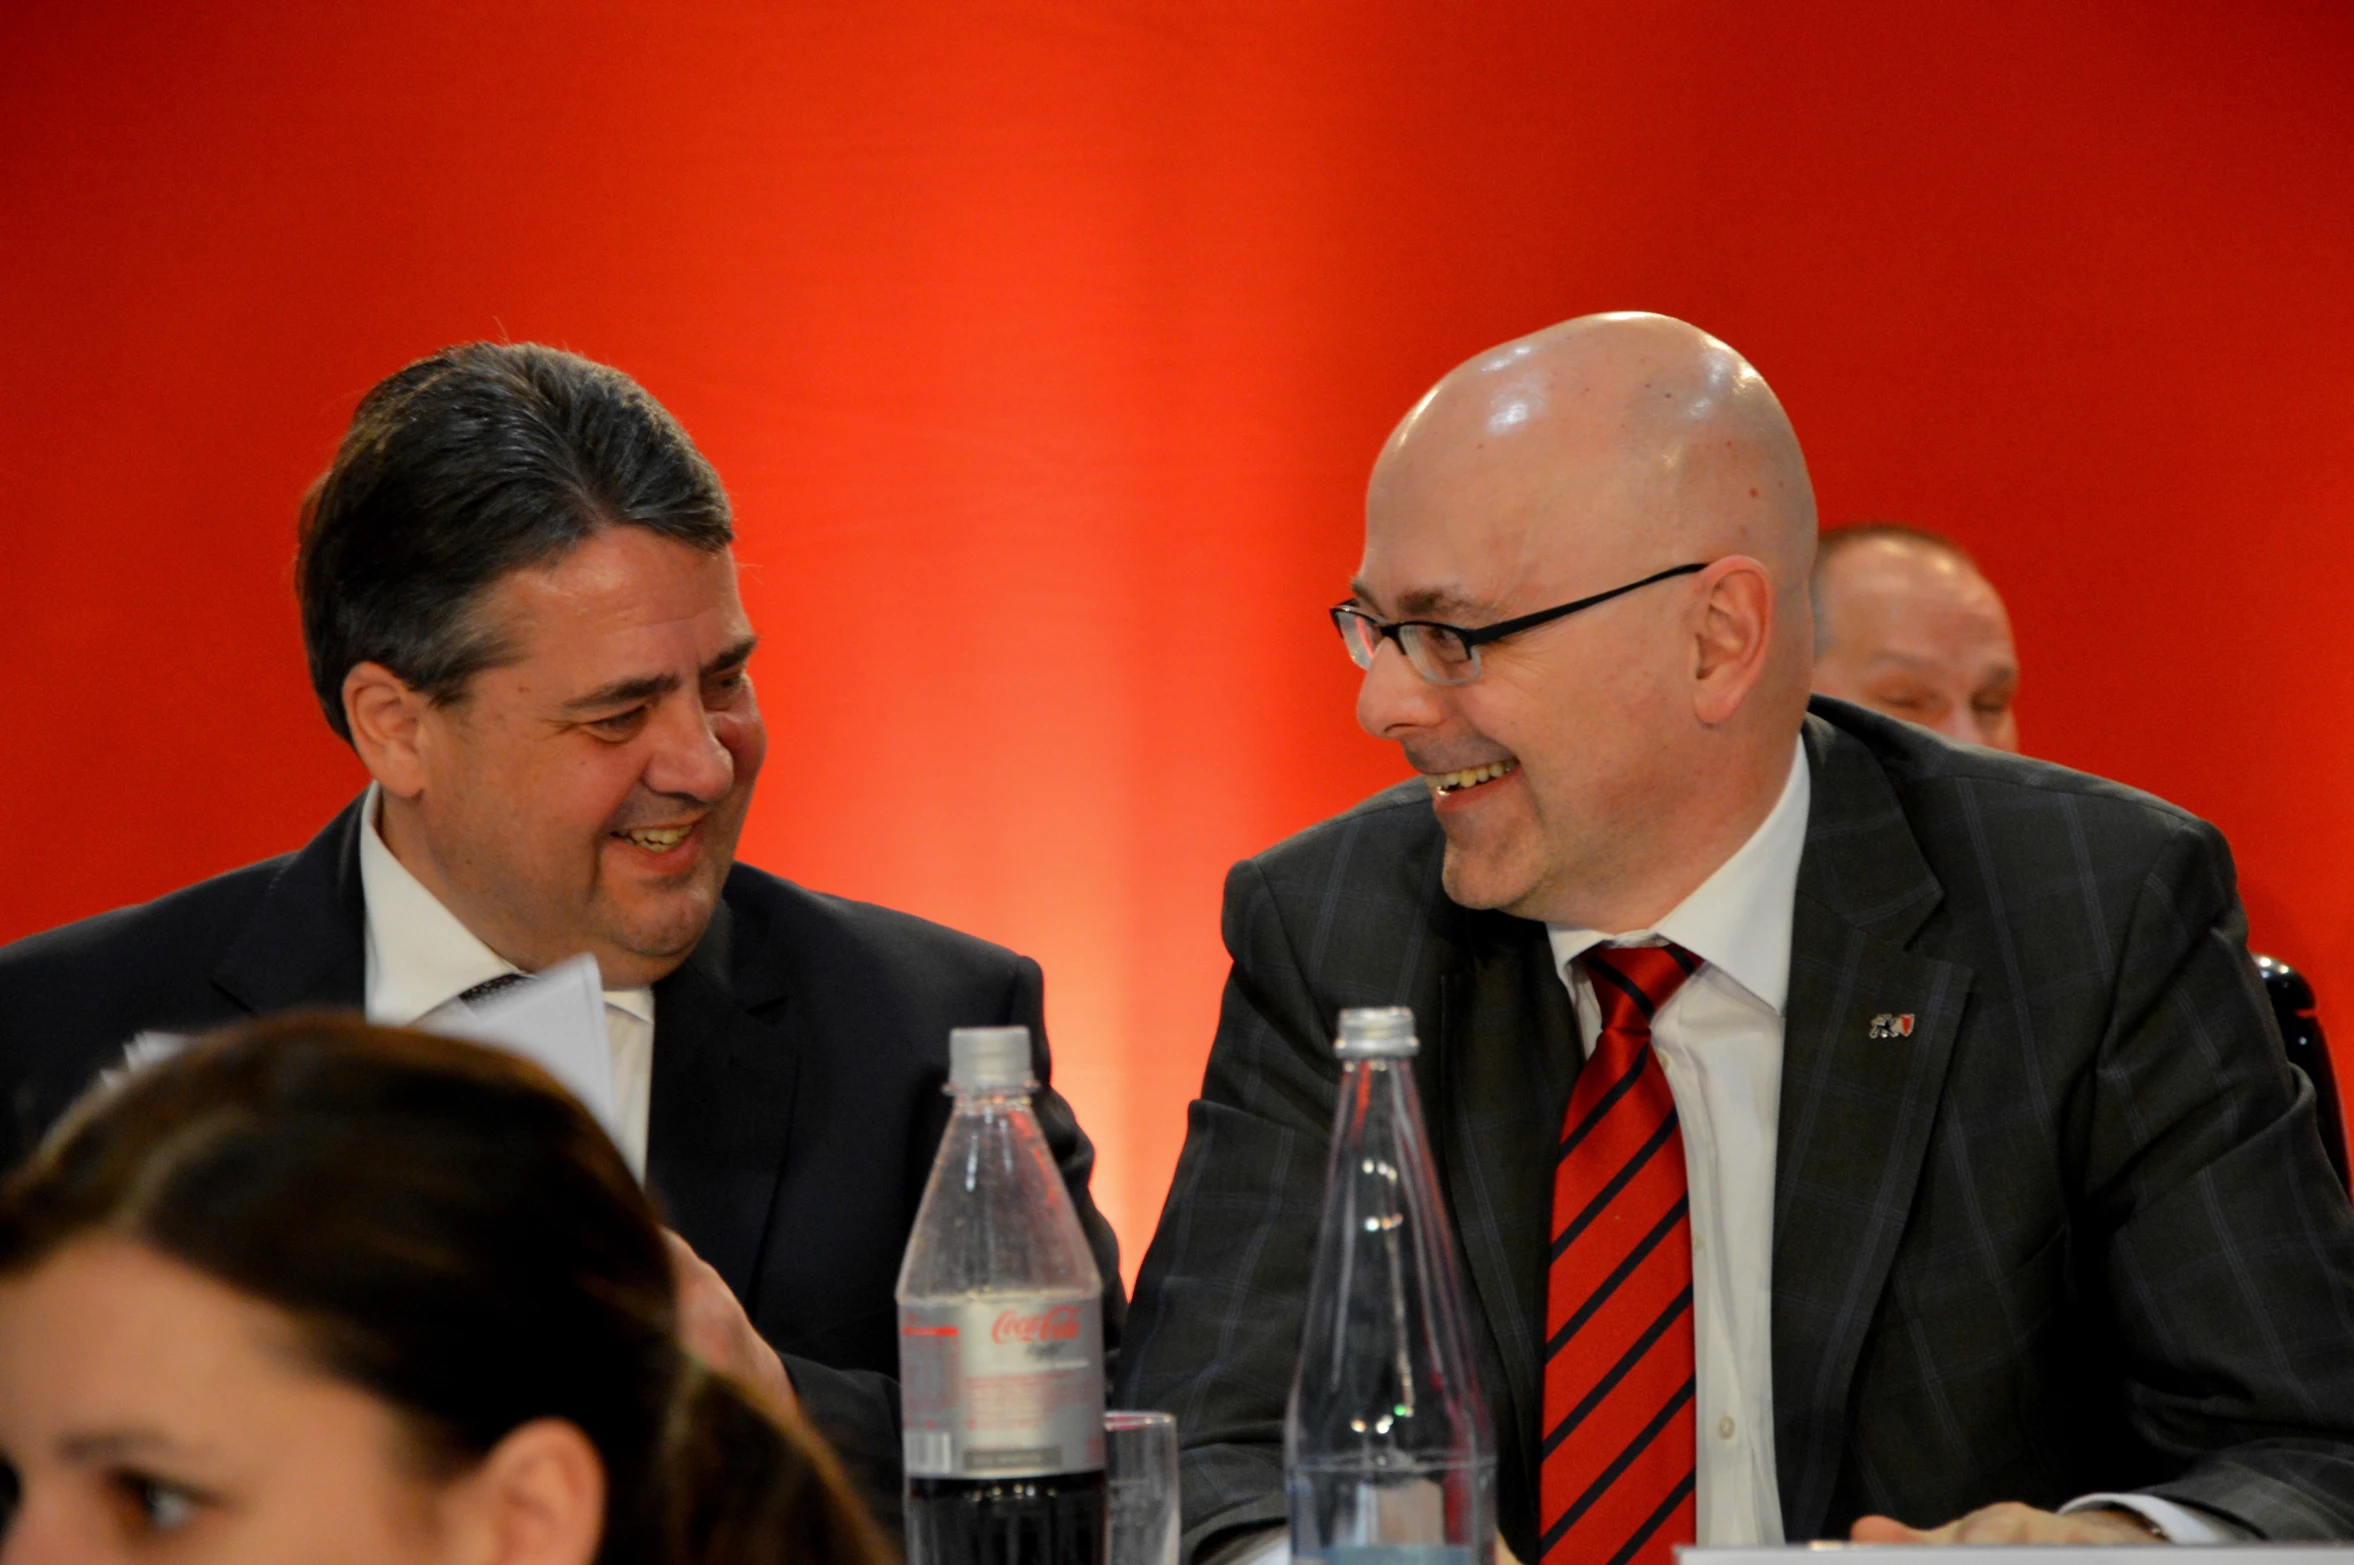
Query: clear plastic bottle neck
x=991, y=1102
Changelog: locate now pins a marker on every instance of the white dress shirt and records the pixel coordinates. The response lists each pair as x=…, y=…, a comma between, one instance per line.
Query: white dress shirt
x=420, y=958
x=1719, y=1038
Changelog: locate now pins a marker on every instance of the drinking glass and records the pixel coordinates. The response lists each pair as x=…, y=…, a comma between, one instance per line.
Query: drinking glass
x=1140, y=1471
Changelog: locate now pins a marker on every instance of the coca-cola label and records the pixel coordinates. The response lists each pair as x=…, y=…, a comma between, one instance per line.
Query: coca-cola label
x=1002, y=1386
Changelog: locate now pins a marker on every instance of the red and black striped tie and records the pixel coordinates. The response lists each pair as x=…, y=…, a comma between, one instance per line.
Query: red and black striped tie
x=1616, y=1485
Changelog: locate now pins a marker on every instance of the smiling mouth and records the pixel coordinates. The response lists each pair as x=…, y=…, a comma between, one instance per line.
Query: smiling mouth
x=656, y=839
x=1443, y=784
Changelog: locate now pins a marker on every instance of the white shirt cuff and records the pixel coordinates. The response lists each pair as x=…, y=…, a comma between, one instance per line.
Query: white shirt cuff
x=2176, y=1523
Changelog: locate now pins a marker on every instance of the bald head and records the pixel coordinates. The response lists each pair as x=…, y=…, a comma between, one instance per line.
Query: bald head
x=1906, y=625
x=1611, y=441
x=1583, y=457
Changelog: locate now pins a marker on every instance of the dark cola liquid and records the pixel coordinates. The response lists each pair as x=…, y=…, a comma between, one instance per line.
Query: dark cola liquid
x=1057, y=1520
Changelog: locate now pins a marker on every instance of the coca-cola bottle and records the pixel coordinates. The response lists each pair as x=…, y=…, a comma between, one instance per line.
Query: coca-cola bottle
x=1386, y=1446
x=1000, y=1335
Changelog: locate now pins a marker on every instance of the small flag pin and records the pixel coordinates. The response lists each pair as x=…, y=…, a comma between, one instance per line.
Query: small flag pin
x=1890, y=1024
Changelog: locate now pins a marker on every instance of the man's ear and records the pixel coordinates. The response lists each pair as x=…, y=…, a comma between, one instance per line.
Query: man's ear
x=537, y=1499
x=385, y=716
x=1733, y=629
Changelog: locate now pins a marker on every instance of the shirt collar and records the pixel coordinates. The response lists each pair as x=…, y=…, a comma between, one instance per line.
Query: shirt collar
x=422, y=956
x=1738, y=920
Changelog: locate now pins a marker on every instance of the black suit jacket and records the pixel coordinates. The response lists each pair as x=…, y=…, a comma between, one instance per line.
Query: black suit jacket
x=2075, y=1233
x=799, y=1057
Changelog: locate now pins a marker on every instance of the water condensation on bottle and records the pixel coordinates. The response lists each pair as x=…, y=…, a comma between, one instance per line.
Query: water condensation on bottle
x=1387, y=1451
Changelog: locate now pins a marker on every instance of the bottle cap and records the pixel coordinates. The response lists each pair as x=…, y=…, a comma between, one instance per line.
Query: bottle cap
x=1377, y=1032
x=983, y=1058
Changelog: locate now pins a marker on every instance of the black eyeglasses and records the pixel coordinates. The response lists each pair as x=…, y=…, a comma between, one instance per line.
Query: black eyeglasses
x=1449, y=654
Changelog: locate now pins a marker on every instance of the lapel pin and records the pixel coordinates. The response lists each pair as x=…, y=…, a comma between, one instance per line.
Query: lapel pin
x=1889, y=1024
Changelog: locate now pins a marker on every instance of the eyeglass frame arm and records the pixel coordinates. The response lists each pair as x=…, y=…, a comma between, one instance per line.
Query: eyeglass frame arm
x=1480, y=636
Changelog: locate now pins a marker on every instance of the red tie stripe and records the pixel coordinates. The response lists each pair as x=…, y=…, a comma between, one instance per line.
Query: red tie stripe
x=1616, y=1486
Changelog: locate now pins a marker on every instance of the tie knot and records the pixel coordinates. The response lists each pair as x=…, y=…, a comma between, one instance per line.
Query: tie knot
x=1631, y=983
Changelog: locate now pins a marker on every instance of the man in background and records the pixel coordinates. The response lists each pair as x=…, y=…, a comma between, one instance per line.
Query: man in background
x=519, y=605
x=1905, y=624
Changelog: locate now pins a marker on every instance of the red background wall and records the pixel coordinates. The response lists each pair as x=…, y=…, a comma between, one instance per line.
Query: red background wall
x=1045, y=345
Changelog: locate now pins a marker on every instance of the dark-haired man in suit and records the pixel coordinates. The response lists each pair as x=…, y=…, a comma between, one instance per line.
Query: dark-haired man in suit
x=520, y=609
x=1847, y=1133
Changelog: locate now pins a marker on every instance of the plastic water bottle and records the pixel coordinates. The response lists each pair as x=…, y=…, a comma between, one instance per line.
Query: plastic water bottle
x=1000, y=1335
x=1386, y=1444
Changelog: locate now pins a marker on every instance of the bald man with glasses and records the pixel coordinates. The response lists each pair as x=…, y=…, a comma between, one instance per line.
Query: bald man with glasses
x=1973, y=1200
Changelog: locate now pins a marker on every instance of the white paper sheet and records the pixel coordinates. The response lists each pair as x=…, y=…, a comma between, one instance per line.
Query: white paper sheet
x=555, y=1019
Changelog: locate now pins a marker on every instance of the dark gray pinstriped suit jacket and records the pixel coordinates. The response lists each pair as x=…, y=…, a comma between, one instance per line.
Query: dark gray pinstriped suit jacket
x=2075, y=1233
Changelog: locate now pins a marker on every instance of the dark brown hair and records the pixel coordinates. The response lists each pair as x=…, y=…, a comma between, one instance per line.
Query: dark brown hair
x=449, y=1231
x=483, y=459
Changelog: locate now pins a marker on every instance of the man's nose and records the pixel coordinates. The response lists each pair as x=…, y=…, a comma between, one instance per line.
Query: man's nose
x=1393, y=698
x=688, y=761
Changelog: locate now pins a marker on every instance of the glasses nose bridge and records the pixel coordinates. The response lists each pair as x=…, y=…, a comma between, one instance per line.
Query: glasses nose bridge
x=1364, y=635
x=1394, y=695
x=1387, y=635
x=1393, y=636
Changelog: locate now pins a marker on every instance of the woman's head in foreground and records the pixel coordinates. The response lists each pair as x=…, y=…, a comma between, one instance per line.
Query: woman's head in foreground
x=316, y=1290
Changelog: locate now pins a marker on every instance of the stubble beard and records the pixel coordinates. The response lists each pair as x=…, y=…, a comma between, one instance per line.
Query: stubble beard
x=665, y=929
x=1499, y=873
x=668, y=930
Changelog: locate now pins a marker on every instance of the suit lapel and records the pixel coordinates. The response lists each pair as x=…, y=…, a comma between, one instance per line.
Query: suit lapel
x=1856, y=1110
x=722, y=1103
x=306, y=941
x=723, y=1077
x=1509, y=1045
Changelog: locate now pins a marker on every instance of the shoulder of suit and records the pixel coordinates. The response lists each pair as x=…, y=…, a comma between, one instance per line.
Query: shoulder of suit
x=190, y=926
x=1930, y=773
x=1392, y=835
x=769, y=909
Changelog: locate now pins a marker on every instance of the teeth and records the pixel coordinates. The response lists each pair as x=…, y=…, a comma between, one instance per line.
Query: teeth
x=1455, y=782
x=659, y=840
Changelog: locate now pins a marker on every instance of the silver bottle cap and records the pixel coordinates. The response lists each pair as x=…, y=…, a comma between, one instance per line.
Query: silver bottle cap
x=984, y=1058
x=1377, y=1032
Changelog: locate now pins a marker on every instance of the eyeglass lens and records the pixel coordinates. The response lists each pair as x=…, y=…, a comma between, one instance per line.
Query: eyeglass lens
x=1438, y=654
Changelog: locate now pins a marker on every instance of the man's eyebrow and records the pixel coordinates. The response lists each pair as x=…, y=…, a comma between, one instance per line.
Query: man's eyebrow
x=731, y=659
x=1438, y=603
x=105, y=1445
x=624, y=691
x=1422, y=602
x=1906, y=662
